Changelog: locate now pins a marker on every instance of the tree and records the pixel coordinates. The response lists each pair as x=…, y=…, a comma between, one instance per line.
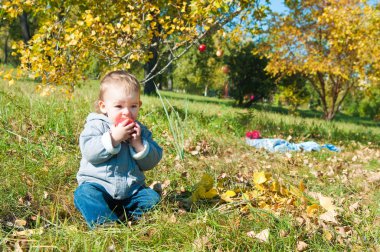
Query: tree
x=118, y=32
x=292, y=90
x=247, y=75
x=334, y=44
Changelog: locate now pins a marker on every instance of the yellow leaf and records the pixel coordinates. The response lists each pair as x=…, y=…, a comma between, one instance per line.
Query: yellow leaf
x=327, y=234
x=261, y=187
x=284, y=191
x=301, y=186
x=149, y=17
x=227, y=196
x=275, y=186
x=209, y=194
x=11, y=82
x=311, y=210
x=259, y=178
x=245, y=196
x=295, y=191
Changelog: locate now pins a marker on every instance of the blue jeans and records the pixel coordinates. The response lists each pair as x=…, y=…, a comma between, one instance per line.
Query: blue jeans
x=98, y=207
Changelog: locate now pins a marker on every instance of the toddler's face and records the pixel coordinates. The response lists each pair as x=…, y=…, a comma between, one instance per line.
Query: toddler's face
x=117, y=102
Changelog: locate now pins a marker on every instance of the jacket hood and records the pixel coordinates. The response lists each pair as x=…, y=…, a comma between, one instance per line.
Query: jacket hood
x=96, y=116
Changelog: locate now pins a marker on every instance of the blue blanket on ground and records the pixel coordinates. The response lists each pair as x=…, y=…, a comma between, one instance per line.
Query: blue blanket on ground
x=280, y=145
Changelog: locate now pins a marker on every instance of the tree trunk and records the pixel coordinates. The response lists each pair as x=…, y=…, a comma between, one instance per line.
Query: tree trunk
x=150, y=68
x=206, y=90
x=170, y=74
x=25, y=27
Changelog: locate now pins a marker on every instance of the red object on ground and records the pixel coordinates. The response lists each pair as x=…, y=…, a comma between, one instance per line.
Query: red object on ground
x=122, y=119
x=255, y=134
x=202, y=47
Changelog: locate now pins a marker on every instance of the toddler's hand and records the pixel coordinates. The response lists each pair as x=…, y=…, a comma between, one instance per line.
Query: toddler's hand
x=136, y=140
x=122, y=132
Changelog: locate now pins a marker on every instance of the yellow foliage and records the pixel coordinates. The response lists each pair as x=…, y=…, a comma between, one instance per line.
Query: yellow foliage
x=61, y=49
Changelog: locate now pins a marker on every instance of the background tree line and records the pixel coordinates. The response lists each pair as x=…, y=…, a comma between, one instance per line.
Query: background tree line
x=324, y=54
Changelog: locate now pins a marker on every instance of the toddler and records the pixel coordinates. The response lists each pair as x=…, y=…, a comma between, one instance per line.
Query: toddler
x=116, y=150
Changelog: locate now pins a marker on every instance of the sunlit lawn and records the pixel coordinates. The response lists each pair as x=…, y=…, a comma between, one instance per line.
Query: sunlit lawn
x=40, y=158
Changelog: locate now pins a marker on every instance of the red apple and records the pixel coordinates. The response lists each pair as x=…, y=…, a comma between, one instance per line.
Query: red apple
x=219, y=53
x=202, y=47
x=121, y=119
x=255, y=134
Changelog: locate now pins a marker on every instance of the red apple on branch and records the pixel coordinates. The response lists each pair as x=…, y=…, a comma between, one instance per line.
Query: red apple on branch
x=202, y=47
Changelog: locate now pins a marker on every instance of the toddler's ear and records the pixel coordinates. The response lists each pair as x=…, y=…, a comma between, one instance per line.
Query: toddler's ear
x=102, y=107
x=140, y=103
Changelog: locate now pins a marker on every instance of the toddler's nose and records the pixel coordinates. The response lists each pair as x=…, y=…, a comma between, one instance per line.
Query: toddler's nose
x=126, y=112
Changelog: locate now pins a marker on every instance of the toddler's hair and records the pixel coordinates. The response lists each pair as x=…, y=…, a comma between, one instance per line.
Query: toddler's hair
x=119, y=79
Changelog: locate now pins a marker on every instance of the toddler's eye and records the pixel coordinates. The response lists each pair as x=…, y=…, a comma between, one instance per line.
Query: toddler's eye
x=118, y=106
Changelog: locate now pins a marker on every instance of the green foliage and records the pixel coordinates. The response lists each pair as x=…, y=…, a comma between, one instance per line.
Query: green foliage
x=364, y=103
x=247, y=75
x=292, y=91
x=199, y=72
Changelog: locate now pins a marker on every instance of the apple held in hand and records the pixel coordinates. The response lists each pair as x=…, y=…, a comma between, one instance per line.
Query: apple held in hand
x=202, y=47
x=121, y=119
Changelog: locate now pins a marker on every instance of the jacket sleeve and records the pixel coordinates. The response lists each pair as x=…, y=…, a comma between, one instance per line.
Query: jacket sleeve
x=152, y=153
x=95, y=143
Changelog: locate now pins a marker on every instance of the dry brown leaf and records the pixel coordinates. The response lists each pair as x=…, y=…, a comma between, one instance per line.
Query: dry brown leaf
x=327, y=203
x=28, y=232
x=302, y=246
x=263, y=236
x=354, y=207
x=201, y=243
x=284, y=233
x=20, y=223
x=374, y=177
x=329, y=217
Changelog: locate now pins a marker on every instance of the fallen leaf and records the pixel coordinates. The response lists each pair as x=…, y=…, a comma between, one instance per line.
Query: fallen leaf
x=354, y=207
x=327, y=234
x=374, y=177
x=228, y=195
x=283, y=233
x=312, y=209
x=329, y=217
x=262, y=236
x=259, y=178
x=302, y=246
x=28, y=232
x=20, y=223
x=201, y=243
x=327, y=203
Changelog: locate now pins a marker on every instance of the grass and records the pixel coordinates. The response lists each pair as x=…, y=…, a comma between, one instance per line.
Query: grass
x=40, y=158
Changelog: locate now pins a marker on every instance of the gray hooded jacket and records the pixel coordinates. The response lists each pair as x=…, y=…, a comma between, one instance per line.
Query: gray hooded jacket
x=120, y=170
